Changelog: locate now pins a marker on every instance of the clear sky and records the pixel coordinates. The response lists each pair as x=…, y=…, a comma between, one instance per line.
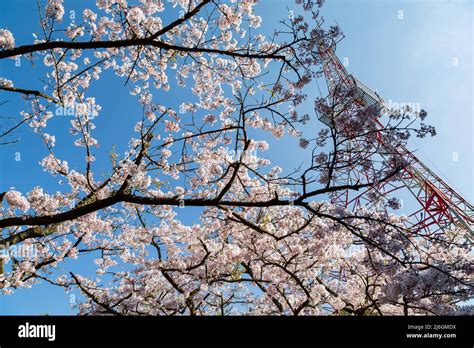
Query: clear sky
x=413, y=51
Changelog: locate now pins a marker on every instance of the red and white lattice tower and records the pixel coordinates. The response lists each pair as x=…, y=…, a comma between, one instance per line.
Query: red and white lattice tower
x=437, y=206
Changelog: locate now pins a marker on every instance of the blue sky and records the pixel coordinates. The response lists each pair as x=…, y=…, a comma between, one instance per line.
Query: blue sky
x=409, y=51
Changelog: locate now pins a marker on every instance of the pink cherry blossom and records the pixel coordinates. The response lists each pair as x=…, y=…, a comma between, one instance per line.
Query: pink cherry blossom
x=16, y=200
x=7, y=42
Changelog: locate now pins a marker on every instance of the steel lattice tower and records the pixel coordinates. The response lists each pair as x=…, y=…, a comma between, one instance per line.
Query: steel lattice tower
x=439, y=206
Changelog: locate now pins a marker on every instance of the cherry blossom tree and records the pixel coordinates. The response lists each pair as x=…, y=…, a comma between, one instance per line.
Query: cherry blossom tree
x=269, y=240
